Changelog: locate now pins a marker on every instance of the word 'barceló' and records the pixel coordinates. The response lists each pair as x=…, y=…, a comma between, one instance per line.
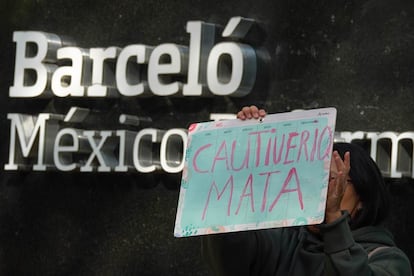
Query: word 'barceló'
x=46, y=65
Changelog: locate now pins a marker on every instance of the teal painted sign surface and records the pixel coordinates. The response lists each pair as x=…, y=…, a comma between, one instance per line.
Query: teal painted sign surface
x=255, y=174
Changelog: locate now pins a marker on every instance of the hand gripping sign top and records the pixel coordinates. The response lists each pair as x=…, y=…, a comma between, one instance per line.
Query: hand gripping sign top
x=256, y=174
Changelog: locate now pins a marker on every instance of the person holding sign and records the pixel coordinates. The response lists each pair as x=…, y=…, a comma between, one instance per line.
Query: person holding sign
x=350, y=241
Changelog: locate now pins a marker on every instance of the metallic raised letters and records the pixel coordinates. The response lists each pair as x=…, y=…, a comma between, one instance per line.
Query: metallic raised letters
x=57, y=148
x=227, y=68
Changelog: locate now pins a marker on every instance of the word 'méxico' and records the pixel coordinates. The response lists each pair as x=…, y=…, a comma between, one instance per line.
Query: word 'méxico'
x=265, y=157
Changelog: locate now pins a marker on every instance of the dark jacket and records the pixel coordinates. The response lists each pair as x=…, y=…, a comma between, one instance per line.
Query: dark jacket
x=336, y=250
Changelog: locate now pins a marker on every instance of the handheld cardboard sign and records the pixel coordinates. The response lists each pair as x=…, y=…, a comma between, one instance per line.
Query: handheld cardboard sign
x=255, y=174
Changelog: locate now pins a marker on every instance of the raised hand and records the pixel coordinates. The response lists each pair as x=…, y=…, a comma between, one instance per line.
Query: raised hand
x=249, y=112
x=339, y=179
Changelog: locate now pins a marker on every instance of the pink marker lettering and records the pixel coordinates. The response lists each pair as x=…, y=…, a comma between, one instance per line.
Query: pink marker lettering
x=195, y=166
x=304, y=137
x=312, y=158
x=268, y=148
x=266, y=188
x=229, y=183
x=258, y=144
x=328, y=148
x=284, y=189
x=250, y=194
x=222, y=148
x=245, y=162
x=276, y=159
x=289, y=146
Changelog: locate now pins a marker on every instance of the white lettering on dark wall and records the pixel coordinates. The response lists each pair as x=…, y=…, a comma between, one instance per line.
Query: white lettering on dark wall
x=39, y=143
x=226, y=68
x=46, y=67
x=41, y=140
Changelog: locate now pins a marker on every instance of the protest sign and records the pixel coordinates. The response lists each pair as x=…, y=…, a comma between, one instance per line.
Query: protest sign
x=256, y=174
